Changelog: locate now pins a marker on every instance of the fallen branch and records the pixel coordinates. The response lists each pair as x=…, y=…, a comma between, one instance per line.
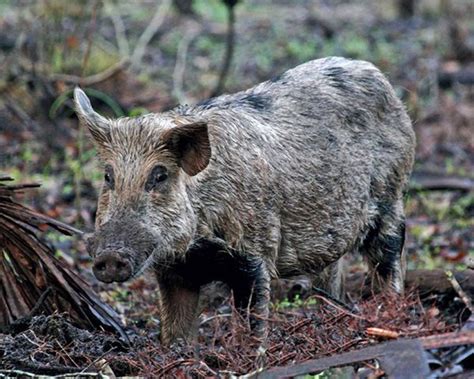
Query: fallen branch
x=446, y=79
x=425, y=281
x=448, y=340
x=461, y=293
x=428, y=181
x=33, y=279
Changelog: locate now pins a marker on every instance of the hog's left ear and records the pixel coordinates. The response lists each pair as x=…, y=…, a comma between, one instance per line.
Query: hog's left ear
x=190, y=143
x=97, y=125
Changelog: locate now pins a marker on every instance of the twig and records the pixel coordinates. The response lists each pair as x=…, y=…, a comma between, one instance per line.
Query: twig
x=149, y=32
x=27, y=121
x=65, y=352
x=346, y=346
x=171, y=366
x=300, y=324
x=229, y=52
x=40, y=302
x=343, y=308
x=93, y=79
x=180, y=66
x=463, y=295
x=119, y=28
x=287, y=357
x=206, y=367
x=45, y=369
x=206, y=320
x=96, y=360
x=30, y=340
x=90, y=33
x=327, y=295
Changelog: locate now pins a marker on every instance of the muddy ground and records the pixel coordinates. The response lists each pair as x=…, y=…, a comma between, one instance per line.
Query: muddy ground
x=46, y=48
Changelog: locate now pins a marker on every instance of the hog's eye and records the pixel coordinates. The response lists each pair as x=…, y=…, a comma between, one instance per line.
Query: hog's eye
x=109, y=177
x=158, y=175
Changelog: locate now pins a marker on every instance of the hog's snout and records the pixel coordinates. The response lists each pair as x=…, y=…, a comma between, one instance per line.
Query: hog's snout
x=111, y=267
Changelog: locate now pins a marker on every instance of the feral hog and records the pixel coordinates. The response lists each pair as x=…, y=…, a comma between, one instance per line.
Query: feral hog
x=280, y=180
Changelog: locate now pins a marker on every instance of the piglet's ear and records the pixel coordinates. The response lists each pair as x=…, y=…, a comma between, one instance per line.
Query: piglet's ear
x=190, y=144
x=97, y=124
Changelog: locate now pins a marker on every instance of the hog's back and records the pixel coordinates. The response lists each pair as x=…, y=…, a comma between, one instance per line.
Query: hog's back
x=302, y=163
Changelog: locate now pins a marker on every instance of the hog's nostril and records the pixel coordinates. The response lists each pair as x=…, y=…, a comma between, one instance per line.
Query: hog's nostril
x=120, y=265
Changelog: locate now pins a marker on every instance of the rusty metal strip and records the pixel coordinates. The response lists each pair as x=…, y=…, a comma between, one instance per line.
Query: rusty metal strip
x=399, y=359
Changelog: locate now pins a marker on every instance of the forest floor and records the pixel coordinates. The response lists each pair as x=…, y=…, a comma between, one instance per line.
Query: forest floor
x=47, y=47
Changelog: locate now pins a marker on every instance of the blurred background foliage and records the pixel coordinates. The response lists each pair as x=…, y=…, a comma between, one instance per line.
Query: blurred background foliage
x=135, y=57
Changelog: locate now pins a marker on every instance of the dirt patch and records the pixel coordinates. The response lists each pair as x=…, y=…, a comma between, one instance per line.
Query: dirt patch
x=317, y=328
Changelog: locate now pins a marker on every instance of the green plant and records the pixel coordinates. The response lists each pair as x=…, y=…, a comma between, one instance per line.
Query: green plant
x=302, y=50
x=460, y=208
x=297, y=302
x=355, y=46
x=213, y=9
x=138, y=111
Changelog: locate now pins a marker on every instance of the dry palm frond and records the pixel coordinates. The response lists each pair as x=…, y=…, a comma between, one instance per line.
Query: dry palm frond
x=32, y=279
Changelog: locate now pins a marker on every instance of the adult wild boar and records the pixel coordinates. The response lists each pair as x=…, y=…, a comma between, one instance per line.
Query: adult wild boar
x=279, y=180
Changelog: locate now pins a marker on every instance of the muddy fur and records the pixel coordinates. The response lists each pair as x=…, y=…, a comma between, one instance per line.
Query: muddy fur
x=292, y=174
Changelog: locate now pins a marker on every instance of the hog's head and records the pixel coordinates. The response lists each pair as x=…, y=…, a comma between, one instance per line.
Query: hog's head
x=144, y=213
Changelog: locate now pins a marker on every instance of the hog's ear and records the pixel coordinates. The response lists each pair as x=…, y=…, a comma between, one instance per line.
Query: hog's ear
x=190, y=144
x=98, y=125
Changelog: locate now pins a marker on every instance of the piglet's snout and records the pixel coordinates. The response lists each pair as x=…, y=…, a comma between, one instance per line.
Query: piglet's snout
x=112, y=267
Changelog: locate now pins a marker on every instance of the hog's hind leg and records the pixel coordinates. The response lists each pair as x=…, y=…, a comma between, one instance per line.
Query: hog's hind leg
x=383, y=248
x=250, y=283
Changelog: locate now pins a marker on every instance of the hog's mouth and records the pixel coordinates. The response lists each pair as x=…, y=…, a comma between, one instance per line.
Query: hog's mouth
x=119, y=264
x=119, y=257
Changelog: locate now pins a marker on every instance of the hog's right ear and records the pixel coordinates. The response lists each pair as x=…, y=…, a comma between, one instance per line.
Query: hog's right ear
x=97, y=124
x=190, y=144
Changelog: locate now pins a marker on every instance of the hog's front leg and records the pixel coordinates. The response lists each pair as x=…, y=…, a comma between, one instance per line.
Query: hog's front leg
x=178, y=308
x=251, y=287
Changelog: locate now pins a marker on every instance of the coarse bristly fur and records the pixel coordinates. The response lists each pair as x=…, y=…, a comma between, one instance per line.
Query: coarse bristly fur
x=284, y=179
